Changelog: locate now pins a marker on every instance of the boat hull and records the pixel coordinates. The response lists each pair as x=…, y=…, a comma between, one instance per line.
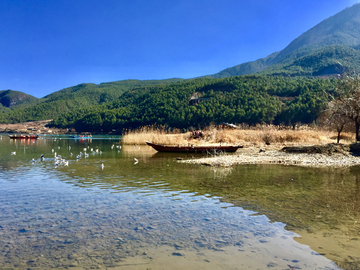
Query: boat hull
x=193, y=149
x=24, y=137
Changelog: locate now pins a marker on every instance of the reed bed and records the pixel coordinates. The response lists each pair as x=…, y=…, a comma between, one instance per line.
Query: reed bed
x=155, y=135
x=258, y=136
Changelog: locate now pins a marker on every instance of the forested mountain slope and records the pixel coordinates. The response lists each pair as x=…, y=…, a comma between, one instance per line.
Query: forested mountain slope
x=12, y=99
x=199, y=102
x=341, y=29
x=73, y=98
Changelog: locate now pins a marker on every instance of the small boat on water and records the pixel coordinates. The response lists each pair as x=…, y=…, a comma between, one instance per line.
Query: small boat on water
x=194, y=148
x=81, y=136
x=24, y=137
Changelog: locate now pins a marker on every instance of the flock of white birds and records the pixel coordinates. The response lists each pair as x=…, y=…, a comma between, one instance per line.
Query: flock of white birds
x=60, y=161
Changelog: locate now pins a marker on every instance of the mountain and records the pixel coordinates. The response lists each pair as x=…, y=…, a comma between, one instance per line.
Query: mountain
x=12, y=99
x=342, y=29
x=68, y=99
x=199, y=102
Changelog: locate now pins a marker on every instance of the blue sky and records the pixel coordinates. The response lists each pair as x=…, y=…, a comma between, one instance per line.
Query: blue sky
x=48, y=45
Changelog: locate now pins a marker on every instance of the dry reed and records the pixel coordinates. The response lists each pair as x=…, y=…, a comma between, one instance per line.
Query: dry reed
x=154, y=135
x=260, y=135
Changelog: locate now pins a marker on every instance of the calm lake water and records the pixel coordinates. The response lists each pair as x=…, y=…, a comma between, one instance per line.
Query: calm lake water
x=158, y=213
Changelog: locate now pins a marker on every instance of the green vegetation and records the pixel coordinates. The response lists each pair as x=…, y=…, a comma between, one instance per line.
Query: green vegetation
x=72, y=98
x=323, y=61
x=244, y=99
x=15, y=99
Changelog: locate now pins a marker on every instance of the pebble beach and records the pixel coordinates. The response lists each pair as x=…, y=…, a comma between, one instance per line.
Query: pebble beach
x=254, y=155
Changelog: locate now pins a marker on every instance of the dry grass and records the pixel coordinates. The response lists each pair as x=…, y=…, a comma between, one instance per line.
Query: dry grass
x=155, y=135
x=260, y=135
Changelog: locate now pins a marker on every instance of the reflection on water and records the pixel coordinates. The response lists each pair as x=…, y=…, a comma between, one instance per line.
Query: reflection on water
x=160, y=214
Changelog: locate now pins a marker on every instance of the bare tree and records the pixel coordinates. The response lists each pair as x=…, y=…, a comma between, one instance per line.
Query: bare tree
x=335, y=118
x=346, y=104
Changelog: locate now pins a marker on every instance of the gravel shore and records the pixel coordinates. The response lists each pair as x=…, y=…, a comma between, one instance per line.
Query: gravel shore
x=253, y=155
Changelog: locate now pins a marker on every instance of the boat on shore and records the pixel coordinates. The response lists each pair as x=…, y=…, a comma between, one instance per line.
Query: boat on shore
x=194, y=148
x=24, y=137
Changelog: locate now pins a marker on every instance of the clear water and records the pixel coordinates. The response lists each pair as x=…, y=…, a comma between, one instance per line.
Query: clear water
x=158, y=213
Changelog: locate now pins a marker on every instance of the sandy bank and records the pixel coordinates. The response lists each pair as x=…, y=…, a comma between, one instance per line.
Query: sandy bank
x=254, y=155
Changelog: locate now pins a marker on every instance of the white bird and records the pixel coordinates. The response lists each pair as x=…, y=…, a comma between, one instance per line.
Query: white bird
x=52, y=150
x=13, y=153
x=84, y=149
x=102, y=166
x=136, y=161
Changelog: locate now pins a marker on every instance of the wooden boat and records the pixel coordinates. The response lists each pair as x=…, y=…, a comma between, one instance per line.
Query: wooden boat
x=194, y=149
x=24, y=137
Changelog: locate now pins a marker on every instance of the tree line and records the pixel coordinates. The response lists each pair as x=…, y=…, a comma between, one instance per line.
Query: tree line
x=199, y=102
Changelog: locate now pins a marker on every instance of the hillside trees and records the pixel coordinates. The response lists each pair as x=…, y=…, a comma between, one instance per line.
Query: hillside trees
x=244, y=99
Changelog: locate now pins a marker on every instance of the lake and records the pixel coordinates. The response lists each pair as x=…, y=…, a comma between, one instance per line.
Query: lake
x=105, y=210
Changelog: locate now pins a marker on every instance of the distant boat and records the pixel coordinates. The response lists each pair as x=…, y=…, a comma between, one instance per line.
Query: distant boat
x=194, y=149
x=81, y=136
x=24, y=137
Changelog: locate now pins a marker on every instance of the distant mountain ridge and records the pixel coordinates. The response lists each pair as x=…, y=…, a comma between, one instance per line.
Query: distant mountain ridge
x=11, y=98
x=342, y=29
x=19, y=107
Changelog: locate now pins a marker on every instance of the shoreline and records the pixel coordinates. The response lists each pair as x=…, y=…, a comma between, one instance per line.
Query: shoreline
x=255, y=155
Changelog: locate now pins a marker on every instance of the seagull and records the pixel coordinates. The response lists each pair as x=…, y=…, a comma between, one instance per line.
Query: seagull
x=102, y=166
x=136, y=161
x=13, y=153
